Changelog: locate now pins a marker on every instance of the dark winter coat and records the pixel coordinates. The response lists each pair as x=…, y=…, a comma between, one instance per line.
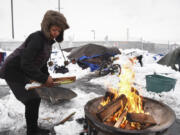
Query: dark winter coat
x=29, y=61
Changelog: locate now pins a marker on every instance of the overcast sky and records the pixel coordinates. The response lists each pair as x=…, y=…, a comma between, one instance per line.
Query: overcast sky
x=152, y=20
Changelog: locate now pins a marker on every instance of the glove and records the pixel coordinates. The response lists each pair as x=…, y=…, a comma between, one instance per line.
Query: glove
x=66, y=63
x=50, y=63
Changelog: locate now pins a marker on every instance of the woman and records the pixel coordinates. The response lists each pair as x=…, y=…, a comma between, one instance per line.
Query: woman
x=29, y=62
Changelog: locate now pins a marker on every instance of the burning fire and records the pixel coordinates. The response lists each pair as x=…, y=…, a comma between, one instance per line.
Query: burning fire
x=134, y=100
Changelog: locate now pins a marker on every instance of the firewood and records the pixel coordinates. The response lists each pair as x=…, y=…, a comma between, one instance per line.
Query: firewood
x=109, y=123
x=109, y=95
x=119, y=121
x=128, y=126
x=56, y=81
x=65, y=119
x=141, y=118
x=106, y=111
x=61, y=79
x=144, y=126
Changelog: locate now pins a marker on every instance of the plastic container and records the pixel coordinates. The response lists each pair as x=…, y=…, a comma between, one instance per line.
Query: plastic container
x=159, y=83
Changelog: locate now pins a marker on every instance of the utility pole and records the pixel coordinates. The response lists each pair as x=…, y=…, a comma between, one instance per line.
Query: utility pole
x=94, y=34
x=12, y=19
x=59, y=5
x=127, y=34
x=168, y=46
x=142, y=45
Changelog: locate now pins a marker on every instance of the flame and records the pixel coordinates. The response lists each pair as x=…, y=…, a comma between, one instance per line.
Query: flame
x=134, y=100
x=127, y=78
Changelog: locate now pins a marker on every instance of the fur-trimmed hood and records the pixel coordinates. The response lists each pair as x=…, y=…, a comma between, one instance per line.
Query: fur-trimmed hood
x=53, y=18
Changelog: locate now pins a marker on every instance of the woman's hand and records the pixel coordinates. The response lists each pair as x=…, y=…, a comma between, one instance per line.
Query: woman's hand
x=49, y=82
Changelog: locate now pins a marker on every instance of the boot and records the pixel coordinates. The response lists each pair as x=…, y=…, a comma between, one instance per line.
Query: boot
x=43, y=131
x=31, y=115
x=38, y=131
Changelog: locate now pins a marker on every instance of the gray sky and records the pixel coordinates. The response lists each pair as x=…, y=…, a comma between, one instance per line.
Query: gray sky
x=152, y=20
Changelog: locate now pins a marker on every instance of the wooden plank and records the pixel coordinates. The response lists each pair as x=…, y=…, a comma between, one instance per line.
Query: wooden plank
x=128, y=126
x=57, y=81
x=119, y=121
x=109, y=95
x=61, y=79
x=144, y=126
x=141, y=118
x=109, y=109
x=65, y=119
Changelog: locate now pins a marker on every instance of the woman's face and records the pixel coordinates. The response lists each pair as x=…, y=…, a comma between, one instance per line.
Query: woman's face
x=55, y=31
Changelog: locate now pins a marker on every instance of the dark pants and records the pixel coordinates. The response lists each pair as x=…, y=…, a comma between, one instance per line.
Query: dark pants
x=31, y=100
x=31, y=115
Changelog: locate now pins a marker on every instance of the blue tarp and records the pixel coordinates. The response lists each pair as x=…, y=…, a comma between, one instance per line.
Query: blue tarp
x=92, y=66
x=155, y=56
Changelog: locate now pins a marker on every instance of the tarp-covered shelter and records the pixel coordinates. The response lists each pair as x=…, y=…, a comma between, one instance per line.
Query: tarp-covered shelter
x=92, y=50
x=171, y=59
x=92, y=55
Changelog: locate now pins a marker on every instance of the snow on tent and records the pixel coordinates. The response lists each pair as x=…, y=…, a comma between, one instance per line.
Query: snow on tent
x=92, y=55
x=92, y=50
x=171, y=59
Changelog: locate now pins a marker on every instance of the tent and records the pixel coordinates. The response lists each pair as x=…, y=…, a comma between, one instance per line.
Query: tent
x=171, y=59
x=92, y=55
x=91, y=51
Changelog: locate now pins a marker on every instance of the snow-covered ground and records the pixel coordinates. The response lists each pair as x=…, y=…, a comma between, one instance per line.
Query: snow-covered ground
x=12, y=111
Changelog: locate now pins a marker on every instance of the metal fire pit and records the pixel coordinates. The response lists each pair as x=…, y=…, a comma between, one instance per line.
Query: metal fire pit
x=163, y=115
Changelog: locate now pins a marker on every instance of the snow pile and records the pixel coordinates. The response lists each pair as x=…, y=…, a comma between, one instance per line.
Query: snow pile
x=11, y=113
